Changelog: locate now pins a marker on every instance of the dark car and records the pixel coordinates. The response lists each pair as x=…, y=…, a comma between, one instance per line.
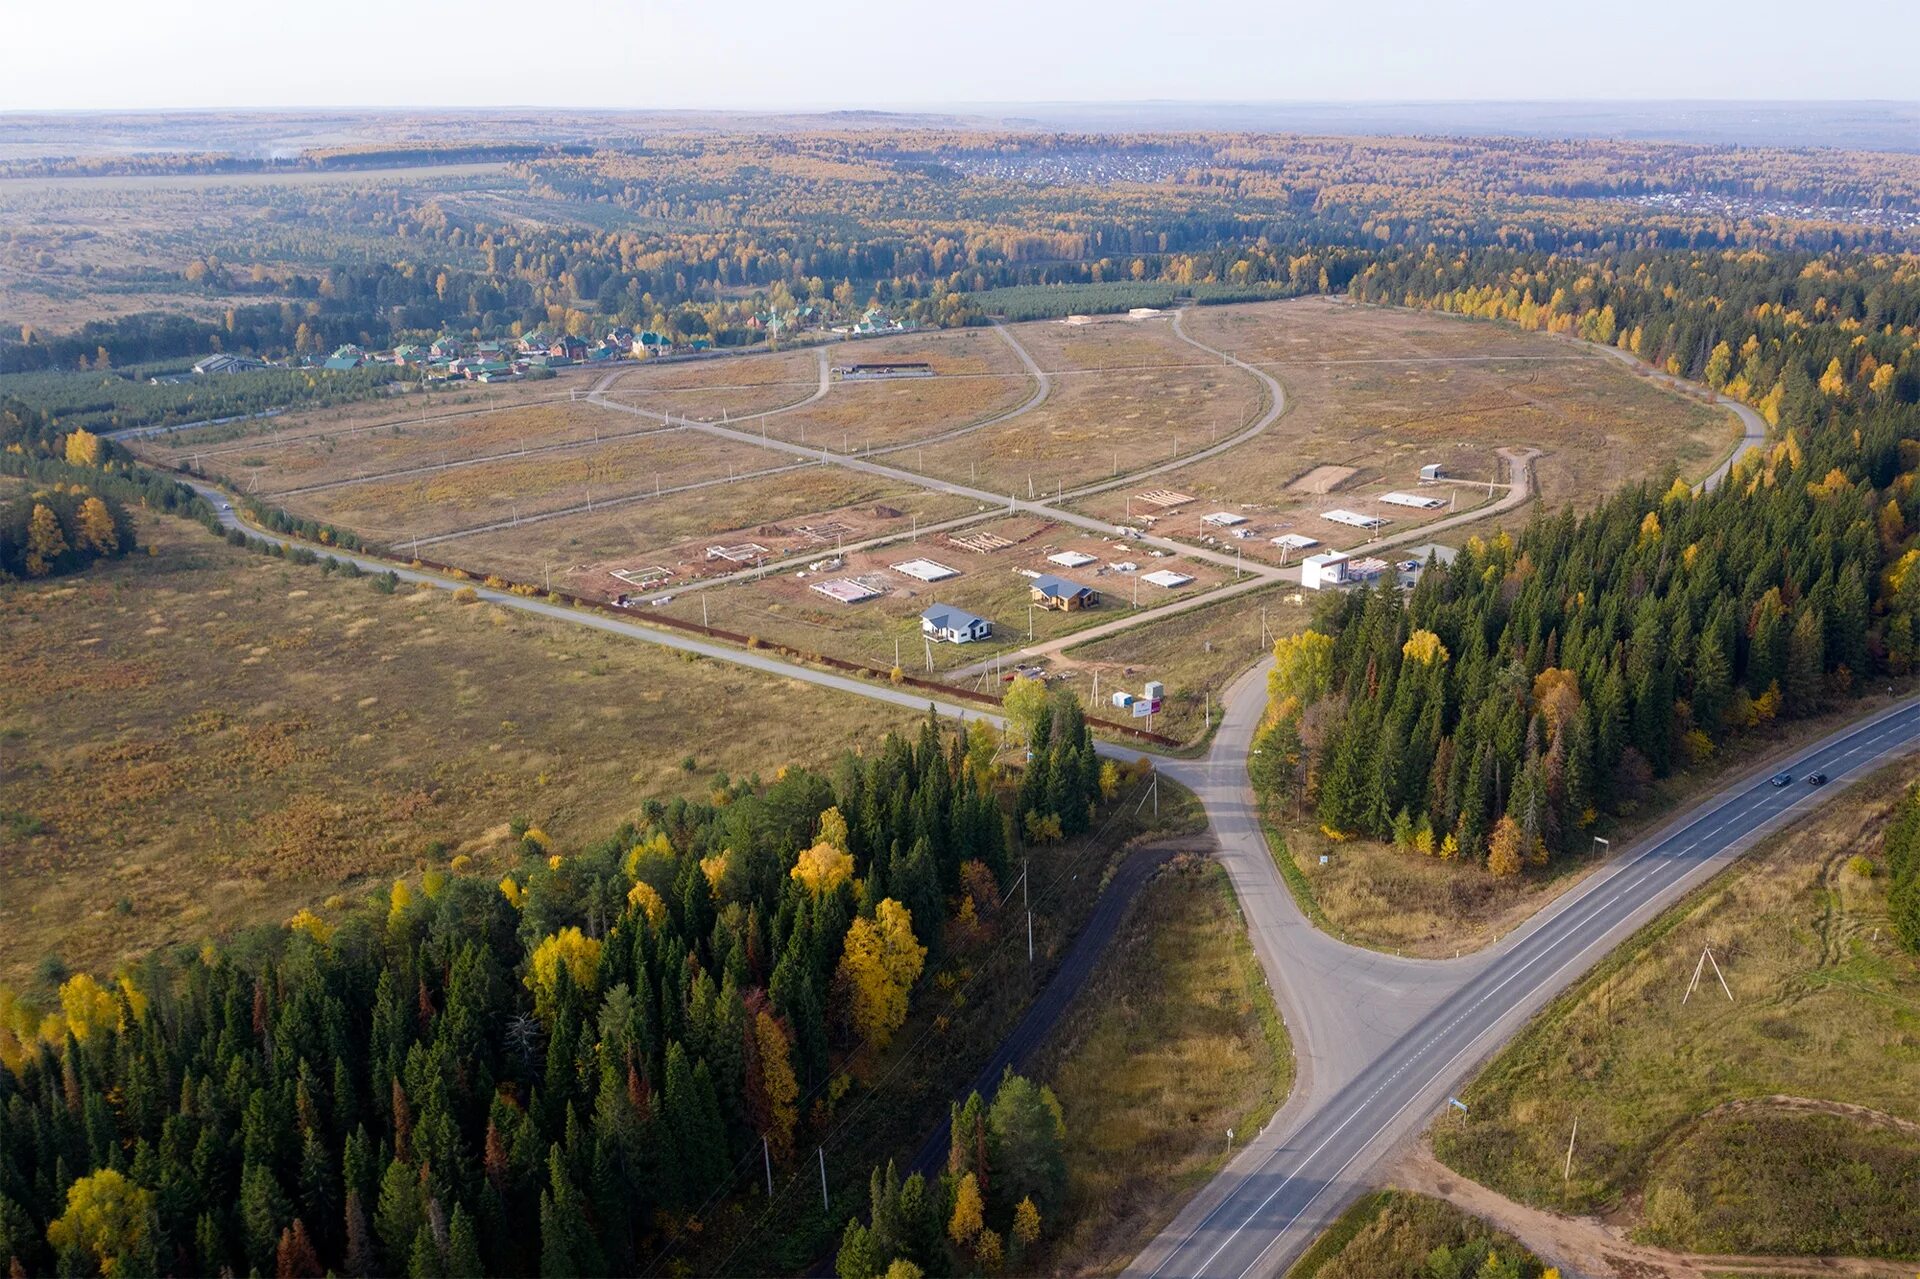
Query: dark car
x=1816, y=779
x=1781, y=779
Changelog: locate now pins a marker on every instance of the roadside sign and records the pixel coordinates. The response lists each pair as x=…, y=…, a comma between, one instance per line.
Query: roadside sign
x=1142, y=708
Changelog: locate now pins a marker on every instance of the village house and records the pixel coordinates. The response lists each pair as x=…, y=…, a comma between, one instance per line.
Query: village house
x=954, y=625
x=1062, y=595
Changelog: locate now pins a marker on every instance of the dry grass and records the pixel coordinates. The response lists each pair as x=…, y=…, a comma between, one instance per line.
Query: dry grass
x=1824, y=1006
x=861, y=415
x=464, y=497
x=287, y=461
x=211, y=738
x=679, y=526
x=1196, y=654
x=784, y=609
x=1384, y=392
x=1395, y=1233
x=1123, y=396
x=728, y=386
x=450, y=413
x=1175, y=1041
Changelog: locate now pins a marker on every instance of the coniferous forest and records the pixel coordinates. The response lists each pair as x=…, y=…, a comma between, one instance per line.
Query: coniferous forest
x=554, y=1074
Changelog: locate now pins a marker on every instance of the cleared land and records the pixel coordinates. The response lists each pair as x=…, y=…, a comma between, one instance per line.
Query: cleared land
x=857, y=416
x=1381, y=393
x=784, y=607
x=288, y=462
x=206, y=738
x=1124, y=395
x=1392, y=1233
x=1783, y=1120
x=456, y=499
x=727, y=386
x=676, y=529
x=1175, y=1041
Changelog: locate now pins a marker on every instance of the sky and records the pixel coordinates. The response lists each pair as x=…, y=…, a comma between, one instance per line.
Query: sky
x=763, y=54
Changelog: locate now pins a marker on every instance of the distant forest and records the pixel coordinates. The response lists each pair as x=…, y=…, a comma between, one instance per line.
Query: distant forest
x=699, y=234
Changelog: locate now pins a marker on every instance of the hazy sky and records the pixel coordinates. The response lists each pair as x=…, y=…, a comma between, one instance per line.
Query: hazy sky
x=790, y=53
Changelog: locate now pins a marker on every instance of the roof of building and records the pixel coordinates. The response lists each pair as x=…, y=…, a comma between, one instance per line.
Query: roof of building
x=947, y=617
x=1058, y=587
x=340, y=362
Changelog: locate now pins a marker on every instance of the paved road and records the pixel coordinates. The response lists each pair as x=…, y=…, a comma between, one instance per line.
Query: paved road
x=1381, y=1040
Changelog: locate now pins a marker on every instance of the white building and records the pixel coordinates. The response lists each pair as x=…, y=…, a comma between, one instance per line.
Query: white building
x=954, y=625
x=1329, y=568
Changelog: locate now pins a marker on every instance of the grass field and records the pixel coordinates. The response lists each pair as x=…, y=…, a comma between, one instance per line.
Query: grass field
x=1392, y=1234
x=710, y=389
x=207, y=738
x=297, y=461
x=1124, y=396
x=461, y=498
x=1384, y=392
x=677, y=528
x=449, y=409
x=1175, y=1041
x=1729, y=1125
x=857, y=416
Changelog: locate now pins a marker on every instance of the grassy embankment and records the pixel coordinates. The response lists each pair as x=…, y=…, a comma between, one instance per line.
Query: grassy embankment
x=1783, y=1120
x=1391, y=1234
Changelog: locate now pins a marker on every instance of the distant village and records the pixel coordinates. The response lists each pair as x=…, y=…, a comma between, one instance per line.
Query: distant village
x=540, y=352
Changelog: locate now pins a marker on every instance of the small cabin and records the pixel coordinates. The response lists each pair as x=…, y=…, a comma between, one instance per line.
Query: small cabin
x=954, y=625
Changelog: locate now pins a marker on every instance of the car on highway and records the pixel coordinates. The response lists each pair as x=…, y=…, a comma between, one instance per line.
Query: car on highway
x=1781, y=779
x=1816, y=779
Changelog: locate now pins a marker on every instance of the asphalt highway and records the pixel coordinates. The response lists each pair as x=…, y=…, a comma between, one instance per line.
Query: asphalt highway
x=1266, y=1208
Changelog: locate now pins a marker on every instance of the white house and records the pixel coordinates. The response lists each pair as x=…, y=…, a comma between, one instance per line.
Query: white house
x=954, y=625
x=1329, y=568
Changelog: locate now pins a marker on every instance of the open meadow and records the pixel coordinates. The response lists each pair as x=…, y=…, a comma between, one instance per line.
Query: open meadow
x=1779, y=1114
x=458, y=499
x=208, y=738
x=717, y=387
x=1125, y=394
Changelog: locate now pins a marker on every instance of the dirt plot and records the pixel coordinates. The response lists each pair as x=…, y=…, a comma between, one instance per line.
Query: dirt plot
x=949, y=351
x=1318, y=328
x=586, y=547
x=1058, y=347
x=1094, y=423
x=729, y=386
x=863, y=415
x=300, y=461
x=784, y=608
x=1411, y=400
x=463, y=497
x=457, y=402
x=205, y=738
x=1306, y=517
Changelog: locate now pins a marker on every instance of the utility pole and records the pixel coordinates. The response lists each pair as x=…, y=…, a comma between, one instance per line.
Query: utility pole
x=1026, y=904
x=1567, y=1171
x=822, y=1152
x=766, y=1156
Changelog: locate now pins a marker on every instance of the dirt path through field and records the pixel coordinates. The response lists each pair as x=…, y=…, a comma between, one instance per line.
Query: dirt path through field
x=1589, y=1247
